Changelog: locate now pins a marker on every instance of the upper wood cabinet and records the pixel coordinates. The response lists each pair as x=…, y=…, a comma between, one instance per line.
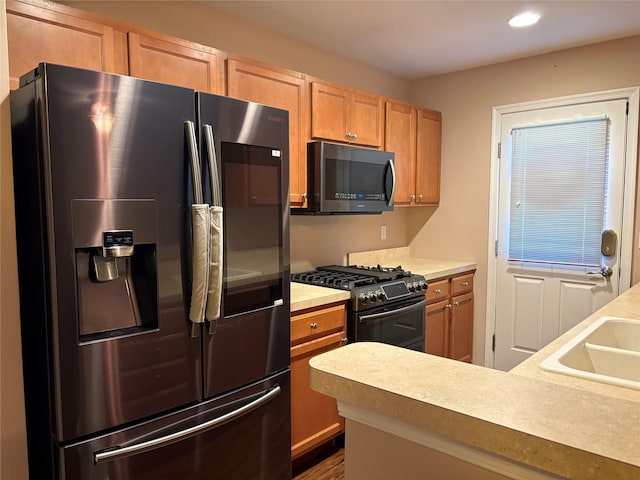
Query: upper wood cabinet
x=50, y=33
x=167, y=59
x=259, y=82
x=414, y=135
x=346, y=115
x=428, y=156
x=400, y=138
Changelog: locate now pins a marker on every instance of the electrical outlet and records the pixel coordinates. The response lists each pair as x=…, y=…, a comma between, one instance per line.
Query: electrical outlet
x=383, y=232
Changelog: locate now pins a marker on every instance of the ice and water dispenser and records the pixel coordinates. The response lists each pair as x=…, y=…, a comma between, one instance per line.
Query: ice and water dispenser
x=116, y=271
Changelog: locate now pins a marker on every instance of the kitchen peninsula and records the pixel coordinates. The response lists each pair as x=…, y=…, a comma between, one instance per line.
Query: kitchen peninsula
x=408, y=413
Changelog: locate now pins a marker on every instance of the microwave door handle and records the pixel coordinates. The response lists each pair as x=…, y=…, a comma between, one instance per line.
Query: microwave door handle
x=393, y=182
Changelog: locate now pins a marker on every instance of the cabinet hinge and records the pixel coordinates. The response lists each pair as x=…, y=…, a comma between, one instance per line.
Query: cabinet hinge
x=493, y=343
x=496, y=248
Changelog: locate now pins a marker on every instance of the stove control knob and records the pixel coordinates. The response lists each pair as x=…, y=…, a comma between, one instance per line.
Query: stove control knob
x=412, y=287
x=381, y=296
x=364, y=299
x=373, y=298
x=423, y=285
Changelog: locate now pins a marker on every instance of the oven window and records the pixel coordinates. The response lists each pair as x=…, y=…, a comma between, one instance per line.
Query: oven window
x=252, y=201
x=388, y=326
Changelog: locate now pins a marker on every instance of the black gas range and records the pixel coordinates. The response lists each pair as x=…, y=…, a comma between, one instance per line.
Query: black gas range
x=387, y=303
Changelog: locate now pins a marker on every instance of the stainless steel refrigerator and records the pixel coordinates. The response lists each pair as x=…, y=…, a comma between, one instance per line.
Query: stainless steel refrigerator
x=153, y=256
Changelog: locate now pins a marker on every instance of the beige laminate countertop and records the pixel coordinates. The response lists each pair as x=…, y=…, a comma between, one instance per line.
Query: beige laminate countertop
x=305, y=296
x=430, y=268
x=548, y=421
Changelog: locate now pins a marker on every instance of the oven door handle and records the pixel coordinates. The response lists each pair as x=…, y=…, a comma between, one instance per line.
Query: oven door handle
x=408, y=308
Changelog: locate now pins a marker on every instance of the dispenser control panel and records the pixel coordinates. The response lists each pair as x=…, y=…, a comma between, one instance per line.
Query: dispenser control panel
x=117, y=243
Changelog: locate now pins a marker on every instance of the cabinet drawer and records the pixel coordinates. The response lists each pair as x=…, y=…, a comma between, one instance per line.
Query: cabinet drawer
x=437, y=291
x=310, y=324
x=462, y=284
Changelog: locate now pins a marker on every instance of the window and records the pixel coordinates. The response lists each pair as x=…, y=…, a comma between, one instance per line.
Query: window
x=558, y=192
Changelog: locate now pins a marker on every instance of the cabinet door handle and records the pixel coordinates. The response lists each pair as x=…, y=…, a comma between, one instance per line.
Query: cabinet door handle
x=314, y=325
x=448, y=305
x=412, y=197
x=456, y=304
x=437, y=291
x=304, y=195
x=344, y=340
x=465, y=284
x=420, y=197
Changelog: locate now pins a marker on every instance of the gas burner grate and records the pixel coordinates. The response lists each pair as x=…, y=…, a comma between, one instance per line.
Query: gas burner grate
x=333, y=279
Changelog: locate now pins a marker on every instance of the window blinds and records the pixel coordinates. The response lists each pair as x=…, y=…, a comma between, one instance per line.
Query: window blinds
x=558, y=192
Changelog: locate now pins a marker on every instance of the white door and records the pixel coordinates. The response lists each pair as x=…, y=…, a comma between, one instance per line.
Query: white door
x=561, y=186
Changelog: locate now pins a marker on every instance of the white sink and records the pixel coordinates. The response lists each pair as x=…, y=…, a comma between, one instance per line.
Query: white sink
x=608, y=351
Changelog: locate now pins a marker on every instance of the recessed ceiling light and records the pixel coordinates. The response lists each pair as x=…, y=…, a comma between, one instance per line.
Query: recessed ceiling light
x=524, y=19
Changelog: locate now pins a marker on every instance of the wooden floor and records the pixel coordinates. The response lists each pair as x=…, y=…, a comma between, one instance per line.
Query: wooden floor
x=331, y=468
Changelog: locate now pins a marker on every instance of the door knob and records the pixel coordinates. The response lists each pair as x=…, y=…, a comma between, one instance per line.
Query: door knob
x=605, y=271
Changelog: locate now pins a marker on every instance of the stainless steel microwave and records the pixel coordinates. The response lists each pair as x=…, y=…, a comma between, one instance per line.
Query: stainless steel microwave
x=343, y=179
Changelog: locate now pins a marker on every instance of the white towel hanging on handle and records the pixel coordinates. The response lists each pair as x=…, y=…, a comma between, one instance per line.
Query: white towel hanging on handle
x=215, y=263
x=200, y=285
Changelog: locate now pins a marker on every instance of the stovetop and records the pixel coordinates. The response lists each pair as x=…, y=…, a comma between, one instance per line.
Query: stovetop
x=369, y=286
x=350, y=277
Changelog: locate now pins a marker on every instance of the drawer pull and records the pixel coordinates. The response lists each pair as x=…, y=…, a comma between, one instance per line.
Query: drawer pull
x=314, y=325
x=344, y=340
x=437, y=291
x=465, y=284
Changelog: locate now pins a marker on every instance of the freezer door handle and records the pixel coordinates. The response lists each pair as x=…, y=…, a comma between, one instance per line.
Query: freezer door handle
x=120, y=452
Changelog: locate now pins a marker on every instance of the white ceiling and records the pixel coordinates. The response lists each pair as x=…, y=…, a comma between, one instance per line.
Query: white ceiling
x=419, y=38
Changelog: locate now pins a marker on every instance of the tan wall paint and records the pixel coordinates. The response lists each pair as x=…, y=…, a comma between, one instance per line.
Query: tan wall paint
x=459, y=227
x=13, y=446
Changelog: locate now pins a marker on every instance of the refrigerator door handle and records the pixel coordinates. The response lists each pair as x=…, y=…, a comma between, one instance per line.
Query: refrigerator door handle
x=196, y=177
x=119, y=452
x=213, y=165
x=200, y=217
x=216, y=234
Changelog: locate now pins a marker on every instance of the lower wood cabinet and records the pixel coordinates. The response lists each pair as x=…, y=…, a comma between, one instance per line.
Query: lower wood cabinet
x=314, y=417
x=449, y=317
